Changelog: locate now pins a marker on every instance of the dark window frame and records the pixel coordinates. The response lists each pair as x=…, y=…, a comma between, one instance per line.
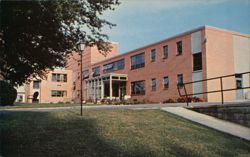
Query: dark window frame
x=137, y=65
x=96, y=71
x=179, y=48
x=153, y=55
x=36, y=84
x=58, y=93
x=197, y=61
x=114, y=66
x=59, y=77
x=180, y=79
x=135, y=92
x=165, y=52
x=165, y=85
x=153, y=84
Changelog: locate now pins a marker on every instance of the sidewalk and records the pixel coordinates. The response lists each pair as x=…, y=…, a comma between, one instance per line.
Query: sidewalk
x=217, y=124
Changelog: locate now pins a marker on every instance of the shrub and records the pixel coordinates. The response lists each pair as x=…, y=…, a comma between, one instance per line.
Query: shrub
x=169, y=101
x=8, y=93
x=89, y=101
x=196, y=99
x=184, y=99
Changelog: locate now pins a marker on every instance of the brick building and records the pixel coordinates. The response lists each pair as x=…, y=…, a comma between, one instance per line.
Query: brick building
x=151, y=73
x=57, y=87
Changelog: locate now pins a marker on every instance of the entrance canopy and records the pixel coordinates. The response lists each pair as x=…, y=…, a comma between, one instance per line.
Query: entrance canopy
x=111, y=86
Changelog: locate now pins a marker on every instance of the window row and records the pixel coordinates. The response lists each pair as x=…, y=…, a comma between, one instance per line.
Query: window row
x=117, y=65
x=138, y=61
x=179, y=49
x=58, y=93
x=138, y=87
x=56, y=77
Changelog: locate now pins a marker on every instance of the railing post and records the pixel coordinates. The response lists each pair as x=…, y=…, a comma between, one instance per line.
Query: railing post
x=185, y=93
x=221, y=89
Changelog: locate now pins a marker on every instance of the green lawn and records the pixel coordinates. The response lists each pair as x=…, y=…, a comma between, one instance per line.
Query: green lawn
x=111, y=133
x=43, y=105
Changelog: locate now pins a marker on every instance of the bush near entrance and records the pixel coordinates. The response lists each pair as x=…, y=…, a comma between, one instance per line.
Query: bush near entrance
x=7, y=93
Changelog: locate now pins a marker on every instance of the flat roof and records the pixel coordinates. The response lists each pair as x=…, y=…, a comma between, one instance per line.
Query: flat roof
x=172, y=37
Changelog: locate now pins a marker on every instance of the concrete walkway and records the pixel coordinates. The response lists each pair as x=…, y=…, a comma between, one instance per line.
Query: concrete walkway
x=217, y=124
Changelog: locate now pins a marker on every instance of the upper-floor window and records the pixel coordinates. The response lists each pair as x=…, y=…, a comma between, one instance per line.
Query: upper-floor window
x=58, y=93
x=179, y=47
x=153, y=84
x=138, y=61
x=96, y=71
x=239, y=81
x=165, y=52
x=138, y=88
x=85, y=74
x=197, y=61
x=117, y=65
x=180, y=79
x=165, y=82
x=36, y=84
x=153, y=55
x=56, y=77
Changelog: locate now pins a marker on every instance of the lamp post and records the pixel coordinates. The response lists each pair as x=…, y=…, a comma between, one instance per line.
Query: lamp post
x=81, y=49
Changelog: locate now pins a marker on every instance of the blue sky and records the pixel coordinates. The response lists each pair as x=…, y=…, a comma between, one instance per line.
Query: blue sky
x=141, y=22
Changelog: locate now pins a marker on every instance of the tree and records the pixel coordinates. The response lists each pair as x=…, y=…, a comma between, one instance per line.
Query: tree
x=9, y=95
x=38, y=35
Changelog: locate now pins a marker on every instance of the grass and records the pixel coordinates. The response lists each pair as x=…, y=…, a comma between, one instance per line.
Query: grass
x=112, y=133
x=42, y=105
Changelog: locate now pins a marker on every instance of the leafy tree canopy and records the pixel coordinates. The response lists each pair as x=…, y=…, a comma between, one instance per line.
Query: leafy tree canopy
x=38, y=35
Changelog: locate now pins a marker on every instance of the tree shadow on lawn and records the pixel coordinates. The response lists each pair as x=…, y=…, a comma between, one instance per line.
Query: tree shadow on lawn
x=43, y=134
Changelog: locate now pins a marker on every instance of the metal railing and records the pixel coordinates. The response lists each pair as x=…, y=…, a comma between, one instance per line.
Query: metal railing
x=221, y=90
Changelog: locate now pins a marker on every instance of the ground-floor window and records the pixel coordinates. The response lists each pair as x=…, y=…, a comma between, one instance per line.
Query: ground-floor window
x=180, y=79
x=138, y=88
x=58, y=93
x=153, y=84
x=165, y=82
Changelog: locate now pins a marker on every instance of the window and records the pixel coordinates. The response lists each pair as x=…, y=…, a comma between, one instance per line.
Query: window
x=153, y=55
x=138, y=61
x=138, y=88
x=197, y=61
x=179, y=47
x=180, y=79
x=153, y=84
x=36, y=84
x=165, y=82
x=118, y=65
x=239, y=84
x=85, y=74
x=59, y=77
x=165, y=52
x=96, y=71
x=64, y=77
x=58, y=93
